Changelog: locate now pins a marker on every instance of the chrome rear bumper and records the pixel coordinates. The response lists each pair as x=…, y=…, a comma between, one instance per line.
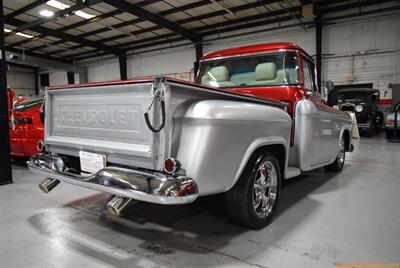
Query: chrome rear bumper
x=130, y=183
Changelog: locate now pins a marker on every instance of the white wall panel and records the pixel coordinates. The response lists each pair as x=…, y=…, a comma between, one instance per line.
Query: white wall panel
x=58, y=78
x=21, y=80
x=304, y=38
x=365, y=51
x=106, y=71
x=172, y=61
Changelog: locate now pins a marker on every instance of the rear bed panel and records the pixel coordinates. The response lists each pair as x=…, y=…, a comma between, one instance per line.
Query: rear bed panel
x=107, y=119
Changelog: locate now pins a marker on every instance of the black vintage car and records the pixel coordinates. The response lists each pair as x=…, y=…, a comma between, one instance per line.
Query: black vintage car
x=364, y=102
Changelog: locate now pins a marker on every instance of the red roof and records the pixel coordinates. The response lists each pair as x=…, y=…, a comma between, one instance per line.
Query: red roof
x=252, y=49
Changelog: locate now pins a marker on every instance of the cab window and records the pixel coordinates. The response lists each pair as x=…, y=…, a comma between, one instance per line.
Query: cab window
x=308, y=75
x=271, y=69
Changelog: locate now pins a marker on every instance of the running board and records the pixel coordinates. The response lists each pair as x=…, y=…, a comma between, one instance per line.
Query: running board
x=292, y=172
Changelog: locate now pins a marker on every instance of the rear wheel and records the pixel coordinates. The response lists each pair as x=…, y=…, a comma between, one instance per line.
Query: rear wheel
x=253, y=200
x=340, y=158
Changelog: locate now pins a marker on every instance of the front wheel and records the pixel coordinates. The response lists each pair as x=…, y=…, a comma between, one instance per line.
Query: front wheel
x=253, y=200
x=340, y=158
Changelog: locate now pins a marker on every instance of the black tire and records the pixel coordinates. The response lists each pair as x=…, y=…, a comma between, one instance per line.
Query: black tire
x=339, y=161
x=239, y=201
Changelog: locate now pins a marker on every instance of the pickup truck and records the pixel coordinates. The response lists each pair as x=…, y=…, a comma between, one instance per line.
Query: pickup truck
x=252, y=118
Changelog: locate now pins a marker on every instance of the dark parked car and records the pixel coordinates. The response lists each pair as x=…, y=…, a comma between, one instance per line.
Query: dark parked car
x=364, y=103
x=390, y=122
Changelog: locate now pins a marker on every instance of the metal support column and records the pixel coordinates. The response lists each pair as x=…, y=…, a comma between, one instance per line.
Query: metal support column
x=37, y=87
x=199, y=53
x=318, y=31
x=71, y=77
x=5, y=163
x=123, y=67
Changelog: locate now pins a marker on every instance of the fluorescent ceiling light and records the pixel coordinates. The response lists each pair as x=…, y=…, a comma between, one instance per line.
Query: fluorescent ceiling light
x=24, y=35
x=84, y=15
x=46, y=13
x=62, y=6
x=18, y=33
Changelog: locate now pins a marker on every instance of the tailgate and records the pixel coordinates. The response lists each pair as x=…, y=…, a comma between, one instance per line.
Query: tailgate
x=107, y=119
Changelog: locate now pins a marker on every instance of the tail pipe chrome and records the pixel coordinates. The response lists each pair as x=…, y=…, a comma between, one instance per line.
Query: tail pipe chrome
x=40, y=146
x=117, y=205
x=48, y=184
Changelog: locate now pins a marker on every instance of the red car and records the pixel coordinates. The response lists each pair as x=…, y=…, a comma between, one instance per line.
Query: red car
x=26, y=127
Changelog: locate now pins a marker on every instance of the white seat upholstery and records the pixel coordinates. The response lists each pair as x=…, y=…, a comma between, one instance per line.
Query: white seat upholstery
x=266, y=71
x=217, y=77
x=267, y=74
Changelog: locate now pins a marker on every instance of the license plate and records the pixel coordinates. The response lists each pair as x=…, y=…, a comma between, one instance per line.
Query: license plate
x=91, y=162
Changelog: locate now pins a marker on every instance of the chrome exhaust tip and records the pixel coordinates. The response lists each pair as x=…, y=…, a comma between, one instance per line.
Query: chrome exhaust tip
x=40, y=146
x=117, y=204
x=48, y=184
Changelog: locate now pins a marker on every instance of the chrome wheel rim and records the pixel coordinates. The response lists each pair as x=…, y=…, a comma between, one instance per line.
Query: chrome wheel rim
x=265, y=188
x=341, y=152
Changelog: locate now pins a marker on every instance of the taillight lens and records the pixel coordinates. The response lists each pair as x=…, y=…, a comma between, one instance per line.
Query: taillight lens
x=171, y=165
x=23, y=121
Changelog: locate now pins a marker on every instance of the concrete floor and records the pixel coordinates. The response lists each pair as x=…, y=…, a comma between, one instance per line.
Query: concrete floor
x=323, y=218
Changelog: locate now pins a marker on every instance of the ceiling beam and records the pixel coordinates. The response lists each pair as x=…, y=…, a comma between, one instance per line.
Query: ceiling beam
x=81, y=23
x=26, y=8
x=153, y=41
x=62, y=13
x=37, y=55
x=170, y=11
x=66, y=28
x=138, y=11
x=354, y=5
x=66, y=37
x=21, y=65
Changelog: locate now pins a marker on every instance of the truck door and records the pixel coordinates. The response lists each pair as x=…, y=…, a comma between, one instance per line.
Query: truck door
x=323, y=133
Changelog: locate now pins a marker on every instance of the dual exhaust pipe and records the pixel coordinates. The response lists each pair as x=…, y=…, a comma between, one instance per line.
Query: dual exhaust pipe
x=115, y=206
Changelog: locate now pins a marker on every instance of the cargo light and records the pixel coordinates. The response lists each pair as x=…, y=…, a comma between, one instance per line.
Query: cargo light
x=171, y=165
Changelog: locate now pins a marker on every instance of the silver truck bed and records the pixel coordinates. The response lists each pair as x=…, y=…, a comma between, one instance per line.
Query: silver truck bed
x=108, y=118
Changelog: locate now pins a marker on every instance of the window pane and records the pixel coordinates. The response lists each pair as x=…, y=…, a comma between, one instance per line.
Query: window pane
x=307, y=75
x=273, y=69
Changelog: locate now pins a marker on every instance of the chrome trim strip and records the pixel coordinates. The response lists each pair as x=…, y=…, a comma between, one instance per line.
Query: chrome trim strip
x=139, y=185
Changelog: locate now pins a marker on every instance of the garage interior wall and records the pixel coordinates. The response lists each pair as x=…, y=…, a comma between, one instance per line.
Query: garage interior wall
x=61, y=78
x=362, y=51
x=21, y=80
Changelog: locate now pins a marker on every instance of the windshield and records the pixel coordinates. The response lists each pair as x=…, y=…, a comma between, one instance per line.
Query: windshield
x=28, y=104
x=354, y=97
x=273, y=69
